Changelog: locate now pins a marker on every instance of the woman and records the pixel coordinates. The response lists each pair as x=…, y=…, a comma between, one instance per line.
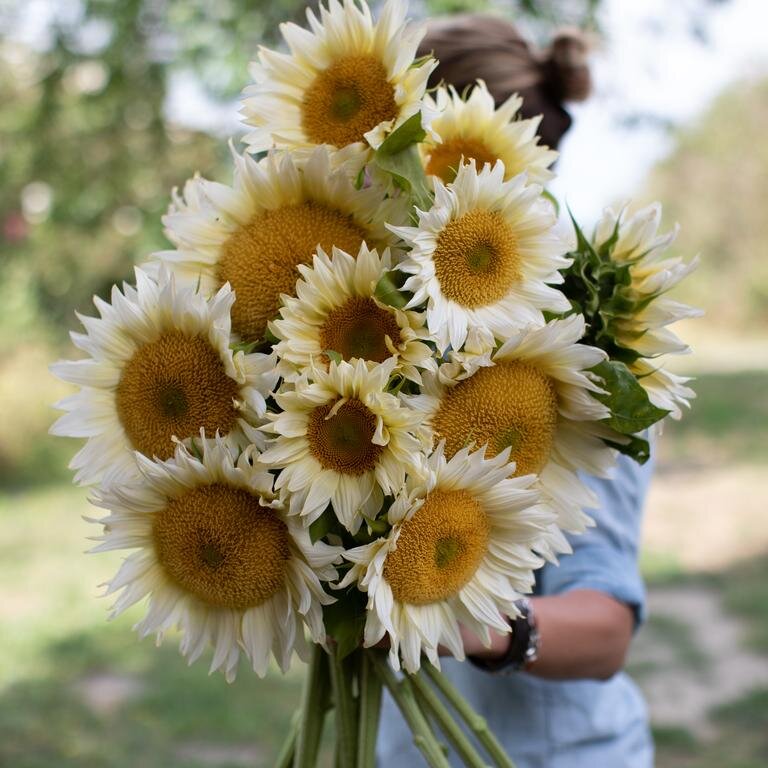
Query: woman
x=552, y=691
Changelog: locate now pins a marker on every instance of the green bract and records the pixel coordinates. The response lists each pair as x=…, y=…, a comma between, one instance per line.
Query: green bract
x=601, y=289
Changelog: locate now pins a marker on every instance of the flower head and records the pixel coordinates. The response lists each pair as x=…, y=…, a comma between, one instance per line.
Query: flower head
x=642, y=323
x=535, y=400
x=217, y=558
x=484, y=255
x=342, y=438
x=348, y=81
x=474, y=129
x=256, y=233
x=159, y=368
x=461, y=549
x=336, y=309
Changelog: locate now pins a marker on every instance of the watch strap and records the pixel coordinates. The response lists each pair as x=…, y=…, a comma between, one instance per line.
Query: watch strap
x=523, y=645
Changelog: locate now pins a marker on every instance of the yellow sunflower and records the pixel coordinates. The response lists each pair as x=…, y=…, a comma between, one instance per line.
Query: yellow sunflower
x=646, y=330
x=535, y=398
x=474, y=129
x=336, y=309
x=462, y=548
x=486, y=255
x=256, y=233
x=217, y=558
x=342, y=439
x=348, y=80
x=159, y=368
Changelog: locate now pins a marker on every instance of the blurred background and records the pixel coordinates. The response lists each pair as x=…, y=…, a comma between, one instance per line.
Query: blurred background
x=105, y=105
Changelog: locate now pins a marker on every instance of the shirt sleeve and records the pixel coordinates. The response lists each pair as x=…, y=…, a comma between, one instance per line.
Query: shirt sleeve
x=605, y=558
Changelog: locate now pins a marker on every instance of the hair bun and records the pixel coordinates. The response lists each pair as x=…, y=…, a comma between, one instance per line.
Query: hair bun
x=567, y=65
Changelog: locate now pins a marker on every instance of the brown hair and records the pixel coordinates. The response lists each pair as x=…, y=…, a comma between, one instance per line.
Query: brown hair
x=476, y=46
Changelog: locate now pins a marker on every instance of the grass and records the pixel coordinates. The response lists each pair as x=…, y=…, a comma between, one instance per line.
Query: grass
x=741, y=742
x=745, y=592
x=728, y=422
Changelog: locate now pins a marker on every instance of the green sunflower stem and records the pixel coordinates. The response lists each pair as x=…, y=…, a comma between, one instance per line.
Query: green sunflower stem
x=314, y=705
x=288, y=750
x=403, y=694
x=475, y=722
x=370, y=711
x=431, y=702
x=342, y=681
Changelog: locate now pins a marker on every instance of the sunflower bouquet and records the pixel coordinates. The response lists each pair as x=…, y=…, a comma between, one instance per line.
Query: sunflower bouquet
x=346, y=414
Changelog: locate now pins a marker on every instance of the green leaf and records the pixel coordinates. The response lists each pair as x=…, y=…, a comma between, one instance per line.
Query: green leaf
x=399, y=157
x=631, y=410
x=582, y=242
x=322, y=526
x=333, y=355
x=637, y=448
x=552, y=199
x=410, y=132
x=345, y=621
x=388, y=292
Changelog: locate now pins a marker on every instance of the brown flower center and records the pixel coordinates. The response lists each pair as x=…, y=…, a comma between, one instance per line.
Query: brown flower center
x=342, y=442
x=346, y=100
x=476, y=259
x=358, y=328
x=439, y=549
x=174, y=386
x=219, y=544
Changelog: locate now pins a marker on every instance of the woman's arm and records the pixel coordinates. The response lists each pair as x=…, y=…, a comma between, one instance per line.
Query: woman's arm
x=584, y=633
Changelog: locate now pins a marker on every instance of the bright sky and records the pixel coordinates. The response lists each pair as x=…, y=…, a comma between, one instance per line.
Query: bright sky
x=649, y=64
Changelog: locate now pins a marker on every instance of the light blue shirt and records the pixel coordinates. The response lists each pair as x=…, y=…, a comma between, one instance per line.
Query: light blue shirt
x=574, y=723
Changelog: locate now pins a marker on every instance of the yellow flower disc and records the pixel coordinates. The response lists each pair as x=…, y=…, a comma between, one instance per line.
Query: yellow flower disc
x=358, y=328
x=444, y=159
x=219, y=544
x=476, y=259
x=343, y=441
x=439, y=549
x=260, y=260
x=174, y=386
x=512, y=404
x=346, y=100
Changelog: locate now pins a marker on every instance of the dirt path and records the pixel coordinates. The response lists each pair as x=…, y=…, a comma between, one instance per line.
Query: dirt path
x=707, y=519
x=692, y=657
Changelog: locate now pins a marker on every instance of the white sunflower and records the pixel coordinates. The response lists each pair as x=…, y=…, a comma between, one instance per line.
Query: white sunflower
x=336, y=309
x=348, y=80
x=644, y=327
x=256, y=233
x=536, y=399
x=217, y=558
x=485, y=255
x=462, y=549
x=474, y=129
x=159, y=368
x=342, y=439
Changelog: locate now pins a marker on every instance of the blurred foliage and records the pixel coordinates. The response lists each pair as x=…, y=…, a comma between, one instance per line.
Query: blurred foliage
x=716, y=182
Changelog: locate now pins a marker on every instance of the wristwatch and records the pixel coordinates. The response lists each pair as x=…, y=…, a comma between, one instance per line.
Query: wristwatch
x=524, y=644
